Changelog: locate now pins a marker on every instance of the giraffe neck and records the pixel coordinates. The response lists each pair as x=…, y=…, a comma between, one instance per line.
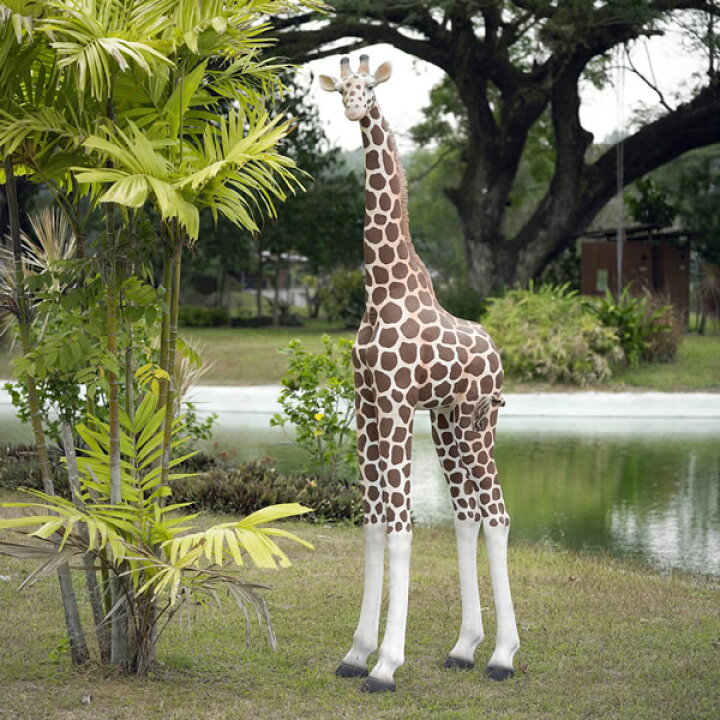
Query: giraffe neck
x=393, y=269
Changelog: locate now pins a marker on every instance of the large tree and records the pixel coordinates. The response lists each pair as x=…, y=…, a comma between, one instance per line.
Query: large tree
x=511, y=62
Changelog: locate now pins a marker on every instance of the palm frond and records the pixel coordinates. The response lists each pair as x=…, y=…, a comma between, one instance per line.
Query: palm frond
x=94, y=37
x=55, y=239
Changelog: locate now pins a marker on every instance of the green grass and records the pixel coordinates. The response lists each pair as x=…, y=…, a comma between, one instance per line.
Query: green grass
x=252, y=356
x=696, y=367
x=600, y=638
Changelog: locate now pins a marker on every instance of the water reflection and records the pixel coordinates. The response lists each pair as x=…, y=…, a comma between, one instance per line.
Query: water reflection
x=652, y=498
x=647, y=489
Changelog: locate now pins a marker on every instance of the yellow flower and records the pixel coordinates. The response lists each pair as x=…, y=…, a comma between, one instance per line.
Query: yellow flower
x=318, y=432
x=319, y=416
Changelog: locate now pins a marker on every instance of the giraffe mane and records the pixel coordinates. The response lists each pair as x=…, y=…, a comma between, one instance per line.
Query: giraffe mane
x=405, y=219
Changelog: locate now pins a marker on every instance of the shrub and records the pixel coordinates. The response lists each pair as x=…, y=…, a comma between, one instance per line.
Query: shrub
x=646, y=326
x=20, y=467
x=317, y=399
x=550, y=334
x=255, y=484
x=463, y=302
x=343, y=298
x=200, y=316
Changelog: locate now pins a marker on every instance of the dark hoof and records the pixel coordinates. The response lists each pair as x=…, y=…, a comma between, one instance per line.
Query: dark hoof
x=498, y=673
x=373, y=685
x=346, y=670
x=457, y=664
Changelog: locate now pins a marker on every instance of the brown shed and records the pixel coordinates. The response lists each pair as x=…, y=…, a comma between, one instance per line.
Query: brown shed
x=655, y=266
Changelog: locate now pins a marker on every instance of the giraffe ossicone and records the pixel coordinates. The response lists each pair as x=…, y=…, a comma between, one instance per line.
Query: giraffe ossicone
x=411, y=353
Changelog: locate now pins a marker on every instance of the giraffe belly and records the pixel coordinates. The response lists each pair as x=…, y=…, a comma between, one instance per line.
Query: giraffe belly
x=440, y=365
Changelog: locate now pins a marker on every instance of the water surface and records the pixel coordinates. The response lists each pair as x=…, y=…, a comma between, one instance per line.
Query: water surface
x=644, y=488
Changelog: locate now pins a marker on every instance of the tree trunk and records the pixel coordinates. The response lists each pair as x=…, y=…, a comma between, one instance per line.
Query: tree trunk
x=165, y=326
x=120, y=647
x=78, y=647
x=490, y=257
x=172, y=396
x=260, y=279
x=93, y=588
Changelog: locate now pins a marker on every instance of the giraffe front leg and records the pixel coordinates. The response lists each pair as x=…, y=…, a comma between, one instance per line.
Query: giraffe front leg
x=392, y=650
x=395, y=432
x=365, y=639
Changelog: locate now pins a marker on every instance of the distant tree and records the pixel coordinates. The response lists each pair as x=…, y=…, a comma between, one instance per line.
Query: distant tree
x=434, y=224
x=224, y=249
x=511, y=64
x=651, y=204
x=692, y=182
x=323, y=224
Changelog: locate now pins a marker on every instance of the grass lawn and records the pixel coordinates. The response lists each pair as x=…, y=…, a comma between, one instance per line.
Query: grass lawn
x=252, y=356
x=600, y=639
x=696, y=367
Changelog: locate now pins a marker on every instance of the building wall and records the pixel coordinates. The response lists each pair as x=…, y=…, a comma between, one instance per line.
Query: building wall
x=662, y=269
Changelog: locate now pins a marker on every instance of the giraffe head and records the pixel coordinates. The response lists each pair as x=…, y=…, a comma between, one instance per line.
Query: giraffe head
x=357, y=88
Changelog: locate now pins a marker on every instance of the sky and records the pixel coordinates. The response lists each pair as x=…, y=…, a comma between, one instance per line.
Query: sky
x=403, y=96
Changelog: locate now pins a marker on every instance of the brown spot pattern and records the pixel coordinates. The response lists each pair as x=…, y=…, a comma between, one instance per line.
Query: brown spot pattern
x=409, y=353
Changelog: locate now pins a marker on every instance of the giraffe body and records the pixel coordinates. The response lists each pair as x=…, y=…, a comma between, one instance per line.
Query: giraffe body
x=411, y=353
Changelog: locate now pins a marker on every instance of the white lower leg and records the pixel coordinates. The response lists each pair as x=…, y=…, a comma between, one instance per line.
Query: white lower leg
x=365, y=640
x=392, y=650
x=471, y=627
x=507, y=640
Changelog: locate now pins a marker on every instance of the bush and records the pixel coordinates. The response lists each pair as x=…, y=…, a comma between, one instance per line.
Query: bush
x=646, y=326
x=463, y=302
x=550, y=334
x=255, y=484
x=19, y=467
x=200, y=316
x=343, y=298
x=236, y=490
x=317, y=399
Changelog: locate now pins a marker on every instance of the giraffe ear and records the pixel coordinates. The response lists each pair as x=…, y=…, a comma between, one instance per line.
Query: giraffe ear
x=383, y=73
x=328, y=83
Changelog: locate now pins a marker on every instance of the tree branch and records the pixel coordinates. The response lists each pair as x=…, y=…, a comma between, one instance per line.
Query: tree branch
x=306, y=45
x=560, y=217
x=411, y=181
x=650, y=84
x=692, y=125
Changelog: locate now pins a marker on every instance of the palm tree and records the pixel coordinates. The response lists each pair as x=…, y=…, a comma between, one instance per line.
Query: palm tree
x=134, y=102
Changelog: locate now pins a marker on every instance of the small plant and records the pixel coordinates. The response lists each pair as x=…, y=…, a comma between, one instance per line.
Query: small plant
x=317, y=400
x=646, y=327
x=549, y=334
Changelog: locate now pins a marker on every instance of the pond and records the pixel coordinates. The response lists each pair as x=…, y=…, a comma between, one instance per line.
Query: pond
x=620, y=480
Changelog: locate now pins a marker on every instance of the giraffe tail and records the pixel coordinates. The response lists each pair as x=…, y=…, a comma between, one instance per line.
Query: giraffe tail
x=486, y=405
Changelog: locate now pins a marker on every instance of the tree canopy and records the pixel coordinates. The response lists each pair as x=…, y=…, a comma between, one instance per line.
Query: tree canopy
x=513, y=63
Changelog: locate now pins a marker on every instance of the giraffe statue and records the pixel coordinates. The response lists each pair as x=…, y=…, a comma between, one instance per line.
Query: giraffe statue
x=411, y=353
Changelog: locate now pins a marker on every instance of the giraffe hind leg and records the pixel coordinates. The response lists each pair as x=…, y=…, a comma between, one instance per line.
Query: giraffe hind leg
x=476, y=438
x=467, y=527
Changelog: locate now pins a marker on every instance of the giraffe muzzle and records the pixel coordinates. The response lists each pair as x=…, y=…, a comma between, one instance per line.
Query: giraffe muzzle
x=355, y=113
